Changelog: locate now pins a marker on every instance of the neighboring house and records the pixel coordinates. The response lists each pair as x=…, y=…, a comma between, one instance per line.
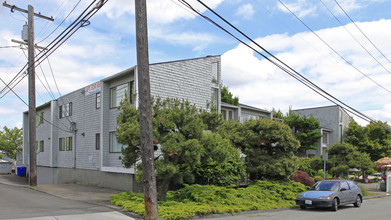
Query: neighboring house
x=79, y=143
x=333, y=120
x=17, y=162
x=243, y=112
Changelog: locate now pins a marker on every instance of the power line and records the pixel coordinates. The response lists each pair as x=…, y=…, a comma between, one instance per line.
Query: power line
x=61, y=22
x=41, y=80
x=29, y=106
x=362, y=31
x=59, y=40
x=362, y=46
x=285, y=67
x=81, y=21
x=343, y=58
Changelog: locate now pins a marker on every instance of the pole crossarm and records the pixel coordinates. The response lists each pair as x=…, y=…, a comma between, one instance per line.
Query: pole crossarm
x=13, y=8
x=24, y=43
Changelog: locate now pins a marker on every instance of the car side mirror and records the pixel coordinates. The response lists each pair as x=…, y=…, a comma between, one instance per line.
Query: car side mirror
x=343, y=189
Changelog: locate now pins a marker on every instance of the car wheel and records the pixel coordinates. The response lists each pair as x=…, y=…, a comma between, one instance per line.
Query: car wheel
x=334, y=205
x=303, y=207
x=358, y=202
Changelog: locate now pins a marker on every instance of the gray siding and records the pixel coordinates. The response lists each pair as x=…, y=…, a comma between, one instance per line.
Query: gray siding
x=111, y=159
x=188, y=79
x=329, y=118
x=44, y=158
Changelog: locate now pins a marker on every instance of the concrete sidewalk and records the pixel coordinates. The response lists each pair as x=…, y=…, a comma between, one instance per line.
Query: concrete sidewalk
x=372, y=188
x=84, y=193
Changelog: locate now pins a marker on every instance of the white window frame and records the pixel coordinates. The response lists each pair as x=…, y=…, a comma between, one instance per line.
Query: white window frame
x=325, y=135
x=114, y=146
x=117, y=94
x=214, y=97
x=65, y=144
x=215, y=73
x=65, y=110
x=98, y=100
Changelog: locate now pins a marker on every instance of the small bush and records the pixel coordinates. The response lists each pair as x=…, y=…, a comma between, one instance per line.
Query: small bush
x=303, y=177
x=364, y=191
x=198, y=200
x=318, y=178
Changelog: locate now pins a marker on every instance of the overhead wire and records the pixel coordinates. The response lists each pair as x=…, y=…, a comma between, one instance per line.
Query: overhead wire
x=362, y=46
x=286, y=68
x=39, y=79
x=61, y=22
x=81, y=21
x=55, y=43
x=29, y=107
x=331, y=48
x=362, y=31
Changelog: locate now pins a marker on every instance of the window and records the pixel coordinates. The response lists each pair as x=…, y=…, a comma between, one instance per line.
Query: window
x=36, y=120
x=344, y=185
x=214, y=73
x=39, y=119
x=227, y=114
x=41, y=146
x=115, y=147
x=230, y=115
x=340, y=115
x=247, y=117
x=325, y=137
x=97, y=141
x=117, y=94
x=65, y=110
x=97, y=100
x=65, y=144
x=340, y=134
x=353, y=185
x=215, y=97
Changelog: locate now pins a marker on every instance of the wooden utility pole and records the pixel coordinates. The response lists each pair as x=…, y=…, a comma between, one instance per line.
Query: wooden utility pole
x=32, y=112
x=146, y=134
x=31, y=87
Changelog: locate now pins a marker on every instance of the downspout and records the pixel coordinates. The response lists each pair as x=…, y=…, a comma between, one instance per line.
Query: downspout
x=74, y=130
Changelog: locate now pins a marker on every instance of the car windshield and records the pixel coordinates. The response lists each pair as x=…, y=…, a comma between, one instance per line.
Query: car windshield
x=325, y=186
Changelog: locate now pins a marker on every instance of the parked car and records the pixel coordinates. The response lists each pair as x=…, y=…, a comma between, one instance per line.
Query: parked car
x=331, y=193
x=378, y=174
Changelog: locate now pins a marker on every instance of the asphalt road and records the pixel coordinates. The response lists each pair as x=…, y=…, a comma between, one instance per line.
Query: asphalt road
x=22, y=202
x=371, y=209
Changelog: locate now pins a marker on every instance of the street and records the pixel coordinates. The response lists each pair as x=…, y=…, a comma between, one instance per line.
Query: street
x=370, y=209
x=18, y=202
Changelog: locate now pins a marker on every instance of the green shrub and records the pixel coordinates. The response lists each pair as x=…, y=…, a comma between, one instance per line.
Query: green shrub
x=376, y=179
x=195, y=200
x=321, y=173
x=318, y=178
x=364, y=191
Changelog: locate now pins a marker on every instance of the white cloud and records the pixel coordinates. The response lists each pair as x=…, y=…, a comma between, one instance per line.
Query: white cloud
x=158, y=11
x=301, y=8
x=259, y=83
x=348, y=6
x=247, y=11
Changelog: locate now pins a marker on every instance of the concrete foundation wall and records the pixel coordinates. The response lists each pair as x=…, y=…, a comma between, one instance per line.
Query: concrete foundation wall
x=59, y=175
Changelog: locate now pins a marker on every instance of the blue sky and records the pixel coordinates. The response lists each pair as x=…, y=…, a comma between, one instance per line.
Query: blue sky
x=107, y=46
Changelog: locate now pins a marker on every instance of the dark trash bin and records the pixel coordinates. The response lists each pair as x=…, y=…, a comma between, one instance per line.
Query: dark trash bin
x=21, y=171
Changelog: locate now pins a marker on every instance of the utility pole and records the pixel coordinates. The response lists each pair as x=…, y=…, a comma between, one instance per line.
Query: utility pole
x=31, y=87
x=146, y=134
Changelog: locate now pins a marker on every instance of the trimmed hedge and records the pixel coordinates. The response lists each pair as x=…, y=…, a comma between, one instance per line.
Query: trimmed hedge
x=195, y=200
